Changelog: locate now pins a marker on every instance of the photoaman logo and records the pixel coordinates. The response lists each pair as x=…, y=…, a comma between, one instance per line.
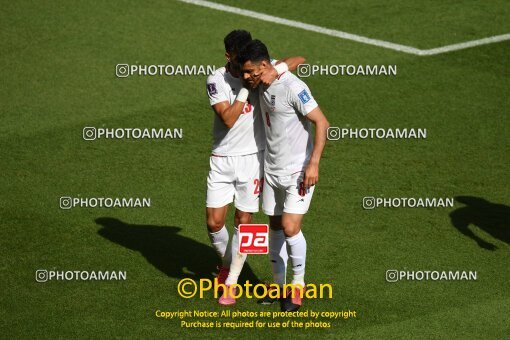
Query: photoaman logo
x=253, y=238
x=188, y=288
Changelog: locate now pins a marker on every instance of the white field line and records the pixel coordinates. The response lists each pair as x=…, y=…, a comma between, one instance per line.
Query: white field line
x=467, y=44
x=348, y=36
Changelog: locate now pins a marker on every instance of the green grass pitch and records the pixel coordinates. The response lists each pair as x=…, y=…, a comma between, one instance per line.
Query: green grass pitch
x=57, y=66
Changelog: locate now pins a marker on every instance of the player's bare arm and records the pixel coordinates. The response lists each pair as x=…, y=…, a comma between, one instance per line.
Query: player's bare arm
x=321, y=129
x=229, y=113
x=287, y=64
x=292, y=62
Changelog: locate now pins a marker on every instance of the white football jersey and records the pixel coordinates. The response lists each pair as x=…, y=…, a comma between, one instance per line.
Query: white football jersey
x=284, y=105
x=247, y=135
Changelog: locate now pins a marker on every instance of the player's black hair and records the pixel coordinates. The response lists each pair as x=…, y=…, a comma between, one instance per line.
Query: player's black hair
x=255, y=51
x=236, y=40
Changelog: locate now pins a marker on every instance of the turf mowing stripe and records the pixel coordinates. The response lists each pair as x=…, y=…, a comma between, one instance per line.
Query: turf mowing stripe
x=349, y=36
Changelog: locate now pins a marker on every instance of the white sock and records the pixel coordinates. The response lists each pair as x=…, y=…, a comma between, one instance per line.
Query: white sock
x=219, y=241
x=238, y=260
x=278, y=255
x=296, y=247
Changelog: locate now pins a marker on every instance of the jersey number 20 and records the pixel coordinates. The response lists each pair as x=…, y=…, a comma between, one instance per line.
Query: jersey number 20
x=259, y=184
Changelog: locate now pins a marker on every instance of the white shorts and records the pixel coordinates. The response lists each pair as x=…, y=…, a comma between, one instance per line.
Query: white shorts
x=285, y=194
x=235, y=177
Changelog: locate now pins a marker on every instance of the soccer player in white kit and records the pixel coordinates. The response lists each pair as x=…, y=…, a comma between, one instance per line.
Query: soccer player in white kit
x=291, y=165
x=236, y=163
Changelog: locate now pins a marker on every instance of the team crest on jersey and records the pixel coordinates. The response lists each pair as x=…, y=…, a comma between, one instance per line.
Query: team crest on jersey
x=304, y=97
x=273, y=102
x=211, y=88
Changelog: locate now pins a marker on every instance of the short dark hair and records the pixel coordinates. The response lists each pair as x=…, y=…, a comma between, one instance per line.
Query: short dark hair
x=255, y=51
x=236, y=40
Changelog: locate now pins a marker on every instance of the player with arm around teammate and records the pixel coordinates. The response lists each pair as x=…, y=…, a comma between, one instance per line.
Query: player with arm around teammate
x=291, y=164
x=236, y=162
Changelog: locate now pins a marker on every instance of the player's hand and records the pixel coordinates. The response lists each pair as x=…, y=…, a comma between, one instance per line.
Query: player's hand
x=311, y=175
x=267, y=77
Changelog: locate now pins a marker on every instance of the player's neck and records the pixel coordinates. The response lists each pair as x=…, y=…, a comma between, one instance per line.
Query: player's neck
x=279, y=77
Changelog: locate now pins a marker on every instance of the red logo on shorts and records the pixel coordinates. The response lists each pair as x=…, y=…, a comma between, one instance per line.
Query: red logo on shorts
x=253, y=238
x=302, y=189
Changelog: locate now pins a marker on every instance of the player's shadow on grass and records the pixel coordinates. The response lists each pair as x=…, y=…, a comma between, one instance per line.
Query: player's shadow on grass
x=492, y=218
x=175, y=255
